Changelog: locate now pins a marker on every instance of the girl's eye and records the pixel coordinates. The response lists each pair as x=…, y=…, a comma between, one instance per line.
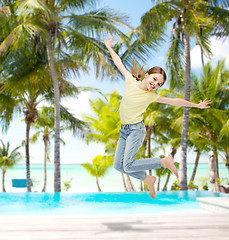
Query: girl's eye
x=156, y=80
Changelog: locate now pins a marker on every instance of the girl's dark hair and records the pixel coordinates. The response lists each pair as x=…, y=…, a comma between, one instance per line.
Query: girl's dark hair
x=150, y=71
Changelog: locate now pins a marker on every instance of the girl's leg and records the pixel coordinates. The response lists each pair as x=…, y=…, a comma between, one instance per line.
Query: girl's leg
x=133, y=143
x=128, y=145
x=150, y=180
x=169, y=163
x=119, y=157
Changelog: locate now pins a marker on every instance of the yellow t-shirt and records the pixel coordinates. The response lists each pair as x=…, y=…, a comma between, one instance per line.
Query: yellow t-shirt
x=134, y=101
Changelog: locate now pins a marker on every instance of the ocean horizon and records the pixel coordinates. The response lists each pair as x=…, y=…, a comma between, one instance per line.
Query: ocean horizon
x=82, y=181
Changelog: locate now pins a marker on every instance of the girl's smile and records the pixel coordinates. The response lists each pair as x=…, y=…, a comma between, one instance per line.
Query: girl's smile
x=152, y=86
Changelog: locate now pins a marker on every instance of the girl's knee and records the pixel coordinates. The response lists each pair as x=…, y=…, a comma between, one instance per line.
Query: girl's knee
x=117, y=167
x=127, y=168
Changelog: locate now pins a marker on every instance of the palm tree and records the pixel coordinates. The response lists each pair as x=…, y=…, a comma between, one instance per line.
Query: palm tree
x=212, y=122
x=27, y=84
x=7, y=102
x=27, y=98
x=198, y=144
x=98, y=168
x=31, y=114
x=224, y=141
x=7, y=159
x=189, y=20
x=45, y=121
x=62, y=26
x=105, y=126
x=22, y=83
x=205, y=126
x=7, y=107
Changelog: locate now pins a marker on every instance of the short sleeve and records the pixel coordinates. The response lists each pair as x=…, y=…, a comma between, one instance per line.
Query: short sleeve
x=155, y=96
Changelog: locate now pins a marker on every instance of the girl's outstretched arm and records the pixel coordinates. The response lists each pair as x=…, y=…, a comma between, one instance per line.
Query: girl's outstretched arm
x=116, y=59
x=183, y=103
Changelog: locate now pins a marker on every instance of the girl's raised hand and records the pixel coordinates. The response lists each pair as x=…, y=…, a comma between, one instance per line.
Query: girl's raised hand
x=108, y=42
x=204, y=104
x=116, y=59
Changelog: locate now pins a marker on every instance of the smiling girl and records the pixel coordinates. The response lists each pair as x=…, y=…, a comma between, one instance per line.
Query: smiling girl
x=136, y=98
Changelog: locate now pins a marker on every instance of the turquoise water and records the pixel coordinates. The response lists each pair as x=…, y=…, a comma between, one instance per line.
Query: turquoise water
x=100, y=203
x=83, y=182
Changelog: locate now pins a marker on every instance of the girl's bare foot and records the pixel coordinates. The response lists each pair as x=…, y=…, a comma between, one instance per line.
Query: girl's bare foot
x=150, y=181
x=168, y=163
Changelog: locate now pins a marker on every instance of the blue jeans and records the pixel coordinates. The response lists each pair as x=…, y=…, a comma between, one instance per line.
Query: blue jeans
x=130, y=140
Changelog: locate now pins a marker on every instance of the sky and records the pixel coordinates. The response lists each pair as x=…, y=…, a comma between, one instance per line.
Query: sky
x=76, y=150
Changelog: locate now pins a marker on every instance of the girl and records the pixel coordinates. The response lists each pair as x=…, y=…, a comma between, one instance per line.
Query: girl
x=136, y=98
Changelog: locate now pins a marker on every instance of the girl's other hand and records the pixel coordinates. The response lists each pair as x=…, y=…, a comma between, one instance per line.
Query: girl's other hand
x=204, y=104
x=108, y=42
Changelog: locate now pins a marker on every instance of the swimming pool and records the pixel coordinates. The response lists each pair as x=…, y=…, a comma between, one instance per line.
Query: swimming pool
x=100, y=203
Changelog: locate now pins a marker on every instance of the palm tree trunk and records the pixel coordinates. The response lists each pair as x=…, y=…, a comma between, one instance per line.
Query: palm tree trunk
x=45, y=167
x=149, y=131
x=141, y=186
x=3, y=179
x=227, y=162
x=184, y=133
x=195, y=167
x=28, y=182
x=217, y=162
x=57, y=177
x=202, y=56
x=167, y=181
x=130, y=184
x=158, y=183
x=124, y=182
x=174, y=151
x=97, y=182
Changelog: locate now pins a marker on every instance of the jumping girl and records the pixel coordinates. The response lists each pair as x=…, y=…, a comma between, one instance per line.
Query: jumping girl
x=136, y=98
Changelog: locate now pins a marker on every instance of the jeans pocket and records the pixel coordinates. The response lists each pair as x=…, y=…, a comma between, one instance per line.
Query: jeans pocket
x=137, y=126
x=140, y=132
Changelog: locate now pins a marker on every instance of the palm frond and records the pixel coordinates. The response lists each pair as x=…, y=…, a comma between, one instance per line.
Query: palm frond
x=29, y=8
x=66, y=5
x=221, y=18
x=102, y=20
x=17, y=37
x=155, y=20
x=224, y=132
x=175, y=64
x=77, y=126
x=89, y=167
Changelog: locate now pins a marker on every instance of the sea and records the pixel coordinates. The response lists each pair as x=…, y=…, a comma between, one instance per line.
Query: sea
x=81, y=181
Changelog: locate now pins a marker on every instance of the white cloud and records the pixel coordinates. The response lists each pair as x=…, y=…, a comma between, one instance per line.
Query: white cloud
x=196, y=57
x=219, y=48
x=78, y=106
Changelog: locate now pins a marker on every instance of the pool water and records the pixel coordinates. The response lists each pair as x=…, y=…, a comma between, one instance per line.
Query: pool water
x=100, y=203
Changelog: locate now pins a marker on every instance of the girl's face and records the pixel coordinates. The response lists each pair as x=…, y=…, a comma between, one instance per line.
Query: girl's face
x=153, y=81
